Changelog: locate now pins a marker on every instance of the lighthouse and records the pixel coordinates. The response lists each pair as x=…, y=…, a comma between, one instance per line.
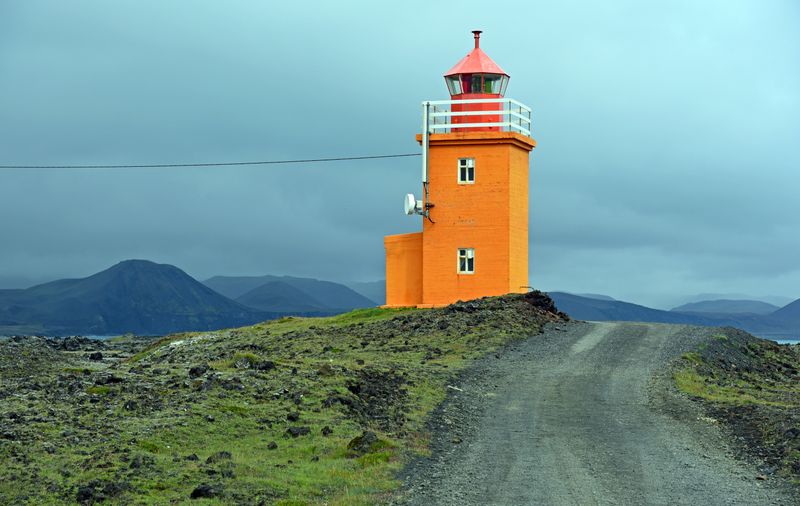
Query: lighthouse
x=474, y=196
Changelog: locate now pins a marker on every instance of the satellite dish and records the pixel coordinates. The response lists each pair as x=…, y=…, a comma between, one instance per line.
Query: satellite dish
x=410, y=204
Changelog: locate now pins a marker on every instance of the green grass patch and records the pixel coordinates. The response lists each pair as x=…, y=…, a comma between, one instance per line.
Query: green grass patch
x=692, y=383
x=98, y=390
x=695, y=358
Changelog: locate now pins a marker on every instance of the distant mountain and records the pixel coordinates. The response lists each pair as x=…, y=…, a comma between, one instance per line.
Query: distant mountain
x=789, y=313
x=726, y=306
x=281, y=297
x=587, y=308
x=775, y=300
x=373, y=290
x=784, y=323
x=334, y=297
x=596, y=296
x=133, y=296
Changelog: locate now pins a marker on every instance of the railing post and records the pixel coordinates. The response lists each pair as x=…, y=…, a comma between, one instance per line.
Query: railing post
x=426, y=106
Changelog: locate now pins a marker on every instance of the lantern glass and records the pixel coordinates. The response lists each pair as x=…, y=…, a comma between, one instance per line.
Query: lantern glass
x=454, y=85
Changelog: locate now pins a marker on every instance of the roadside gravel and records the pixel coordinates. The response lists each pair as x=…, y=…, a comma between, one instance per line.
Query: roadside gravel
x=584, y=413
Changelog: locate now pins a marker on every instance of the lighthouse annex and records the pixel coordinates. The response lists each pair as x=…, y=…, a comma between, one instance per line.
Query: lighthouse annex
x=474, y=202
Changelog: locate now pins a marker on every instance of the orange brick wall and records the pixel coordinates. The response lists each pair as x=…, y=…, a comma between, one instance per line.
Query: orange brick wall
x=518, y=221
x=490, y=215
x=403, y=269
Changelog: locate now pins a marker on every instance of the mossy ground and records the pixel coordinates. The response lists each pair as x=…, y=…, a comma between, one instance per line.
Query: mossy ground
x=150, y=425
x=753, y=387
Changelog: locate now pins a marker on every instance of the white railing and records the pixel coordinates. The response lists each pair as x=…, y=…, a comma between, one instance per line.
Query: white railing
x=512, y=116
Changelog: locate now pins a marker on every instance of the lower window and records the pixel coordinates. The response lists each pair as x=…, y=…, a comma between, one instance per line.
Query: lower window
x=466, y=260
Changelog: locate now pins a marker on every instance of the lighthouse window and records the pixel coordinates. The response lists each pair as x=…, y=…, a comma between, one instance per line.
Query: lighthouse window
x=477, y=83
x=492, y=83
x=454, y=85
x=466, y=260
x=466, y=170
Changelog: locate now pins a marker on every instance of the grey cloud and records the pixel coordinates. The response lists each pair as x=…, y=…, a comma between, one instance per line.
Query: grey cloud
x=667, y=160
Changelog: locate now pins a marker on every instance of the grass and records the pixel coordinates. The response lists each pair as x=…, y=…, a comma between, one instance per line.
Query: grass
x=753, y=387
x=142, y=434
x=692, y=383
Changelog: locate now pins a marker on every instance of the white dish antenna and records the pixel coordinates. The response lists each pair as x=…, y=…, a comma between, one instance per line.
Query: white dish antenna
x=411, y=205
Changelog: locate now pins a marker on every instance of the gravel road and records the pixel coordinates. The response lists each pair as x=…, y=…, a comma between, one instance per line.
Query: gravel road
x=584, y=413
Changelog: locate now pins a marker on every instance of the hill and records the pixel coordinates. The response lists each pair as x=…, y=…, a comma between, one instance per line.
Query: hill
x=281, y=297
x=291, y=411
x=333, y=297
x=594, y=309
x=135, y=296
x=789, y=313
x=727, y=306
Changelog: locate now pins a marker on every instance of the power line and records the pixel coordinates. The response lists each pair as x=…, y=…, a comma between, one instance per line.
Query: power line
x=207, y=164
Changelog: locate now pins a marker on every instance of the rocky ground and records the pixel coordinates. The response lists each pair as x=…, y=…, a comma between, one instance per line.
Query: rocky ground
x=752, y=386
x=295, y=411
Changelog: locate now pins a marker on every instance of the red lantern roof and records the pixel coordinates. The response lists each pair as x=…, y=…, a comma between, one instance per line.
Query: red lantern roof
x=476, y=62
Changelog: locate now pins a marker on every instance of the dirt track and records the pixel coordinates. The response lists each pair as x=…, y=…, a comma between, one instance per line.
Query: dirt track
x=582, y=414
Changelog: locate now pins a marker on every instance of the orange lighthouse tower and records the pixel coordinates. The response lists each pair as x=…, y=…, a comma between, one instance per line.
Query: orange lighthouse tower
x=474, y=206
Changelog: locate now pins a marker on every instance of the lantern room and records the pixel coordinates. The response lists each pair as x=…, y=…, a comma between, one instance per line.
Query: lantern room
x=476, y=76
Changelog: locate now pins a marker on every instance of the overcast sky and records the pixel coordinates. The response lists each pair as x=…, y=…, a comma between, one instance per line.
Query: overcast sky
x=668, y=132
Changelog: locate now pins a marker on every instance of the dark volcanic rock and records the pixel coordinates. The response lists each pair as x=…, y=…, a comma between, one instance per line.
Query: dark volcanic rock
x=97, y=491
x=219, y=456
x=297, y=431
x=107, y=379
x=96, y=356
x=87, y=495
x=265, y=365
x=379, y=397
x=541, y=300
x=198, y=370
x=362, y=444
x=206, y=491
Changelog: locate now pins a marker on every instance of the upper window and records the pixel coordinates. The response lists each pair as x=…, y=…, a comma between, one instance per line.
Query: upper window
x=466, y=260
x=466, y=170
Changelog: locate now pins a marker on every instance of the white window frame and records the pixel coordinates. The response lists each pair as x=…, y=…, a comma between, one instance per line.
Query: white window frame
x=468, y=255
x=468, y=165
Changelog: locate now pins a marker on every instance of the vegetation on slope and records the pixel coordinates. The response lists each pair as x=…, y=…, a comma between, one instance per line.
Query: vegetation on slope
x=294, y=411
x=753, y=387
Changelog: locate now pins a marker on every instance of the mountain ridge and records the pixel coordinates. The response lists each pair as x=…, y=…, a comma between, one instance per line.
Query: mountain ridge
x=137, y=296
x=727, y=306
x=334, y=297
x=784, y=323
